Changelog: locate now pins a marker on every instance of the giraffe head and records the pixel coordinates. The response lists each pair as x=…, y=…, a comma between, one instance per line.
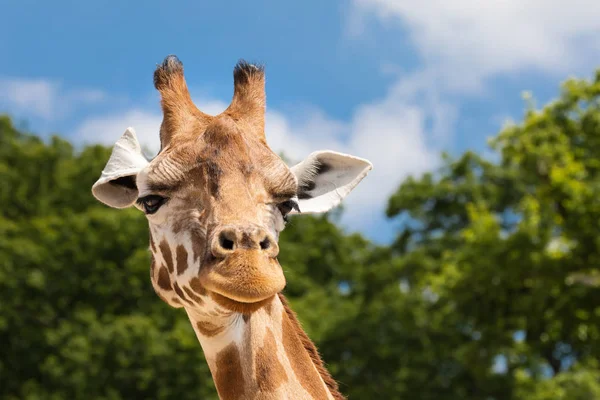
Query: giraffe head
x=216, y=196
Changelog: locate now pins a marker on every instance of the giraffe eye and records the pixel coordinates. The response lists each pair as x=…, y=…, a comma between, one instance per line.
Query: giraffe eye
x=286, y=207
x=151, y=203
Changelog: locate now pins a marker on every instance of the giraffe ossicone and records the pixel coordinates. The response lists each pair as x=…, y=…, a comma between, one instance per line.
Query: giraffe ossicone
x=216, y=198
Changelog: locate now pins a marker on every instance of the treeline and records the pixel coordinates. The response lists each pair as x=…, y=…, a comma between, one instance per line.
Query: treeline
x=491, y=290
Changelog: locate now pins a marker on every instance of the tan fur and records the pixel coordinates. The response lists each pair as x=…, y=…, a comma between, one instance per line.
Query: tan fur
x=179, y=112
x=249, y=97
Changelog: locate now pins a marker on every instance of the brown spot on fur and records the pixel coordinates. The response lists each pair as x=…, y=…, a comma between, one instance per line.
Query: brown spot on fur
x=229, y=378
x=181, y=257
x=152, y=267
x=218, y=134
x=164, y=282
x=179, y=291
x=193, y=296
x=197, y=286
x=246, y=317
x=302, y=354
x=179, y=225
x=198, y=243
x=208, y=329
x=213, y=175
x=269, y=373
x=165, y=250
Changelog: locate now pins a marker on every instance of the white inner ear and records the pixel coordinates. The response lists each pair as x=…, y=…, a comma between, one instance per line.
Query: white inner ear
x=326, y=177
x=126, y=160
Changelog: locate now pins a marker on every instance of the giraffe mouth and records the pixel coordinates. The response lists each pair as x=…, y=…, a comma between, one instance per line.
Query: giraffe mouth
x=239, y=306
x=247, y=279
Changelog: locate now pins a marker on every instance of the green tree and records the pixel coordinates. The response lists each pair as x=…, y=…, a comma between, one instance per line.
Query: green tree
x=501, y=260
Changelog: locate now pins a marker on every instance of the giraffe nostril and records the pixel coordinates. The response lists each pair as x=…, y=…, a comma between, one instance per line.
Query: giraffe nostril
x=265, y=243
x=225, y=242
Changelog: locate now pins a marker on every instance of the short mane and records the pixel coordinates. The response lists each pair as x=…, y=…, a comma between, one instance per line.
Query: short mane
x=309, y=346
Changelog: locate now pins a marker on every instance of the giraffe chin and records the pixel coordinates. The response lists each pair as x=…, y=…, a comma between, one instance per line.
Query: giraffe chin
x=243, y=282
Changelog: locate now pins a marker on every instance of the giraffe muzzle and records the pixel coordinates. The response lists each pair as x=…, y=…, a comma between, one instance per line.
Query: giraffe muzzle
x=245, y=276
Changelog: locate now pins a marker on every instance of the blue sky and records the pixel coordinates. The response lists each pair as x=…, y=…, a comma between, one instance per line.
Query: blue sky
x=388, y=80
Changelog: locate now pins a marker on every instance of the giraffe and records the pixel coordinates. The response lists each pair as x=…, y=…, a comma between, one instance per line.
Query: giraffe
x=216, y=198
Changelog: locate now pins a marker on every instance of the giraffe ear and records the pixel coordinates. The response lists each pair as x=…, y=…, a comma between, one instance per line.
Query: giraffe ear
x=326, y=177
x=117, y=184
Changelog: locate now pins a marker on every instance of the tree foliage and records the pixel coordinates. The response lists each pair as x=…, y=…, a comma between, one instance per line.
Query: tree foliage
x=505, y=255
x=490, y=291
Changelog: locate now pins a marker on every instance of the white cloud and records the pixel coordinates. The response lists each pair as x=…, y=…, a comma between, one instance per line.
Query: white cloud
x=35, y=96
x=108, y=129
x=393, y=133
x=466, y=41
x=43, y=98
x=210, y=106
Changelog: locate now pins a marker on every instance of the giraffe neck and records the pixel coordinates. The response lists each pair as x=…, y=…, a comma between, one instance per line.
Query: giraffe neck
x=263, y=355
